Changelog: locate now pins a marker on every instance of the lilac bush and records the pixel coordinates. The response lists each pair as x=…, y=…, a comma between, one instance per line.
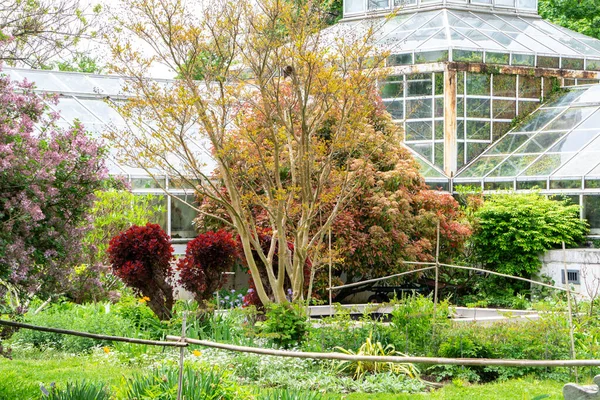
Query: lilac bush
x=47, y=181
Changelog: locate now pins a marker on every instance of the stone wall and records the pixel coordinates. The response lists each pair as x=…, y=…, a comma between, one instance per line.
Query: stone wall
x=582, y=264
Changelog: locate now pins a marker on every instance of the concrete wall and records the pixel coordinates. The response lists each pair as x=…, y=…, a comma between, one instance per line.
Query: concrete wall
x=585, y=261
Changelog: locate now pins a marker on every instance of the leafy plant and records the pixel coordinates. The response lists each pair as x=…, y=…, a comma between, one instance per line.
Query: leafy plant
x=78, y=390
x=141, y=257
x=162, y=382
x=513, y=229
x=288, y=394
x=285, y=324
x=206, y=257
x=369, y=348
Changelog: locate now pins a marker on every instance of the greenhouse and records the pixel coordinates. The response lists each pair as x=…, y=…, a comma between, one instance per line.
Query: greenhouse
x=86, y=98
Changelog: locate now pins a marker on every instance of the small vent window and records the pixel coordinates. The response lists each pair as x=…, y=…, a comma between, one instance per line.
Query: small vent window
x=572, y=276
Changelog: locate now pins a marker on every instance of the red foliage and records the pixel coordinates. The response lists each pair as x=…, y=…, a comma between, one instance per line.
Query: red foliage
x=206, y=257
x=141, y=256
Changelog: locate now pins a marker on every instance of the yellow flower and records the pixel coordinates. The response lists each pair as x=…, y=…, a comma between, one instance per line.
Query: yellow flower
x=197, y=353
x=106, y=349
x=144, y=299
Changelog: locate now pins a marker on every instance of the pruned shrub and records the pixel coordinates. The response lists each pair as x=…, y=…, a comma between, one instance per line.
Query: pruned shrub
x=206, y=257
x=141, y=257
x=285, y=324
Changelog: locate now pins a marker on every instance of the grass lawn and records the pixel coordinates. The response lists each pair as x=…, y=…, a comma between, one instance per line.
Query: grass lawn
x=20, y=379
x=517, y=389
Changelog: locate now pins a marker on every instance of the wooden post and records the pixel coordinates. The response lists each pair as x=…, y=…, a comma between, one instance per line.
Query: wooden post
x=450, y=134
x=437, y=273
x=330, y=295
x=570, y=309
x=181, y=356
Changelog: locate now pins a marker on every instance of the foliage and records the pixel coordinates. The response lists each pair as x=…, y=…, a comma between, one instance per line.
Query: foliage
x=288, y=394
x=514, y=229
x=206, y=257
x=97, y=318
x=161, y=383
x=285, y=324
x=141, y=257
x=285, y=142
x=78, y=390
x=360, y=368
x=113, y=211
x=581, y=16
x=38, y=31
x=81, y=62
x=413, y=323
x=47, y=184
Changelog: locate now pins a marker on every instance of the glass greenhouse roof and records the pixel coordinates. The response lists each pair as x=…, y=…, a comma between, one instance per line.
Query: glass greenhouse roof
x=83, y=97
x=477, y=36
x=558, y=143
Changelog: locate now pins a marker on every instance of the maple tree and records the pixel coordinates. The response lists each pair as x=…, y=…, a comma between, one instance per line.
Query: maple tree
x=282, y=107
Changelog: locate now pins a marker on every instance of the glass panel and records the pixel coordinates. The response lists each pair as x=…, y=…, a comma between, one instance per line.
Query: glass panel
x=439, y=83
x=399, y=59
x=530, y=87
x=592, y=184
x=438, y=158
x=478, y=108
x=404, y=3
x=535, y=184
x=44, y=80
x=565, y=99
x=570, y=118
x=460, y=107
x=389, y=90
x=419, y=130
x=571, y=63
x=422, y=87
x=481, y=167
x=108, y=85
x=502, y=185
x=419, y=108
x=439, y=129
x=513, y=165
x=70, y=110
x=579, y=165
x=593, y=65
x=527, y=107
x=478, y=84
x=103, y=111
x=378, y=4
x=499, y=129
x=182, y=216
x=439, y=108
x=467, y=55
x=523, y=59
x=539, y=119
x=504, y=109
x=424, y=149
x=547, y=163
x=527, y=4
x=565, y=184
x=460, y=154
x=540, y=142
x=353, y=6
x=505, y=85
x=574, y=141
x=474, y=149
x=548, y=62
x=395, y=108
x=148, y=183
x=497, y=58
x=504, y=3
x=590, y=95
x=509, y=143
x=478, y=130
x=591, y=212
x=427, y=170
x=160, y=201
x=431, y=56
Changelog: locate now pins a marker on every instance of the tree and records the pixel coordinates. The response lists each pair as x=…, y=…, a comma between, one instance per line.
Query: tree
x=277, y=83
x=206, y=257
x=141, y=256
x=33, y=32
x=579, y=15
x=47, y=184
x=514, y=229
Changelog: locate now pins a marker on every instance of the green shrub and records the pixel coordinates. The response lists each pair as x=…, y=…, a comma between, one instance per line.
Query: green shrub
x=162, y=382
x=288, y=394
x=78, y=390
x=93, y=318
x=413, y=323
x=285, y=324
x=512, y=231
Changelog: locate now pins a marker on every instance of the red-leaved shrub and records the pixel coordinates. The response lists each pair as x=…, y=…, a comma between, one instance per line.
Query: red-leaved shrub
x=206, y=257
x=141, y=257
